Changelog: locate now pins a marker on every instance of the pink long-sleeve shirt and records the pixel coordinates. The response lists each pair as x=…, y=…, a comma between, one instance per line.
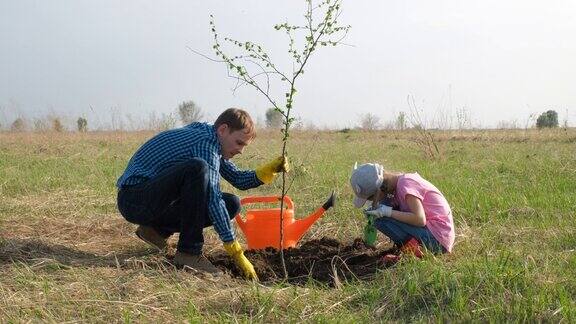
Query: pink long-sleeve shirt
x=438, y=213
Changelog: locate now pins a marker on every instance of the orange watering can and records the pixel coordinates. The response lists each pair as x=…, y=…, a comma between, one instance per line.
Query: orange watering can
x=262, y=226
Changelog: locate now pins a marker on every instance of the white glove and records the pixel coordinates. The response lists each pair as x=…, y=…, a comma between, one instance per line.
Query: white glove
x=382, y=211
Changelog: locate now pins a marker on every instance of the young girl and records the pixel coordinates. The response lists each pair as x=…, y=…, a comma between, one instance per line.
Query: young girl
x=411, y=211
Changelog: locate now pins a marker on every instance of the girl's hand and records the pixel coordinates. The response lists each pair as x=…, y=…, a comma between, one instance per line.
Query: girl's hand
x=382, y=211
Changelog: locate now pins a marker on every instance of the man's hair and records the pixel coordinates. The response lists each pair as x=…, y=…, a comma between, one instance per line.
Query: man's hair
x=236, y=119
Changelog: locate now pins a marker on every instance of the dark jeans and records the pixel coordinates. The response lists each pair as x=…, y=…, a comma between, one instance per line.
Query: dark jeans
x=175, y=201
x=400, y=233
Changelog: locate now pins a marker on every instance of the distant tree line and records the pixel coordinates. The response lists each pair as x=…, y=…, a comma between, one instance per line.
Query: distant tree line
x=188, y=112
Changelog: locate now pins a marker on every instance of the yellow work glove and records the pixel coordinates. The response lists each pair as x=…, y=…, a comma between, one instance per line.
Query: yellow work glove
x=268, y=171
x=235, y=251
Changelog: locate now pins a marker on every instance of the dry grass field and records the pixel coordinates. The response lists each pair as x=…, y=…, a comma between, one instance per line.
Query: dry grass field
x=66, y=254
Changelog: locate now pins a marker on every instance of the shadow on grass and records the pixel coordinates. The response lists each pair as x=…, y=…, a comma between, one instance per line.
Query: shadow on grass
x=35, y=252
x=325, y=261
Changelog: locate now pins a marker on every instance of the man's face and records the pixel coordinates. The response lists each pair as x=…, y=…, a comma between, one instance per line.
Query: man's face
x=232, y=142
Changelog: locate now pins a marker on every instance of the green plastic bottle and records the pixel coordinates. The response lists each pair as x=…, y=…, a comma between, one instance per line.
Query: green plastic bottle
x=370, y=231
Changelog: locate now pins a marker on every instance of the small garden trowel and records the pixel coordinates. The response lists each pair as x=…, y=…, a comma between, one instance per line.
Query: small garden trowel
x=370, y=231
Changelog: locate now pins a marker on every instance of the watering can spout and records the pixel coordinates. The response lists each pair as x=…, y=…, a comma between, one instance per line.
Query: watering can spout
x=302, y=225
x=330, y=202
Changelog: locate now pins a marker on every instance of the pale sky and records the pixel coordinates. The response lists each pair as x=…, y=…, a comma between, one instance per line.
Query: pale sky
x=497, y=60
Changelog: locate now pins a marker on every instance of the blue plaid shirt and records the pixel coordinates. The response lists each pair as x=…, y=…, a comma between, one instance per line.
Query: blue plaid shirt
x=197, y=140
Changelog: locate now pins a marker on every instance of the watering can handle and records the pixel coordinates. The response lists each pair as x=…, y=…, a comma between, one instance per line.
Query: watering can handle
x=267, y=199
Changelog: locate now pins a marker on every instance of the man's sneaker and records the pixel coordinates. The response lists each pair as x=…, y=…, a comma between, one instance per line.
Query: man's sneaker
x=152, y=237
x=196, y=262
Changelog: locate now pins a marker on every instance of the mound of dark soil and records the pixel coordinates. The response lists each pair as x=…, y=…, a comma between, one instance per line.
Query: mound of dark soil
x=325, y=260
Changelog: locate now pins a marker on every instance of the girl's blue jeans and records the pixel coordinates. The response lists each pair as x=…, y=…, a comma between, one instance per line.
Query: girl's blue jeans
x=400, y=233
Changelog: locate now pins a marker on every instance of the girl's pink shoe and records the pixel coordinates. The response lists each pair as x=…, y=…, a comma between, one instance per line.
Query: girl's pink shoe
x=411, y=247
x=390, y=259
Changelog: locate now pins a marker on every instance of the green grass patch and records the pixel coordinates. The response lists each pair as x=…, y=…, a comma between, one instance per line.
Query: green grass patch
x=67, y=255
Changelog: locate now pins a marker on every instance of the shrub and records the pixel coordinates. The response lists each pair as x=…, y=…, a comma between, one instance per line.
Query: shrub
x=273, y=118
x=369, y=122
x=189, y=112
x=548, y=119
x=401, y=121
x=57, y=125
x=41, y=125
x=162, y=122
x=18, y=125
x=82, y=124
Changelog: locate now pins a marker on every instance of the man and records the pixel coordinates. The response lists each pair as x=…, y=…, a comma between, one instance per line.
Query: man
x=172, y=184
